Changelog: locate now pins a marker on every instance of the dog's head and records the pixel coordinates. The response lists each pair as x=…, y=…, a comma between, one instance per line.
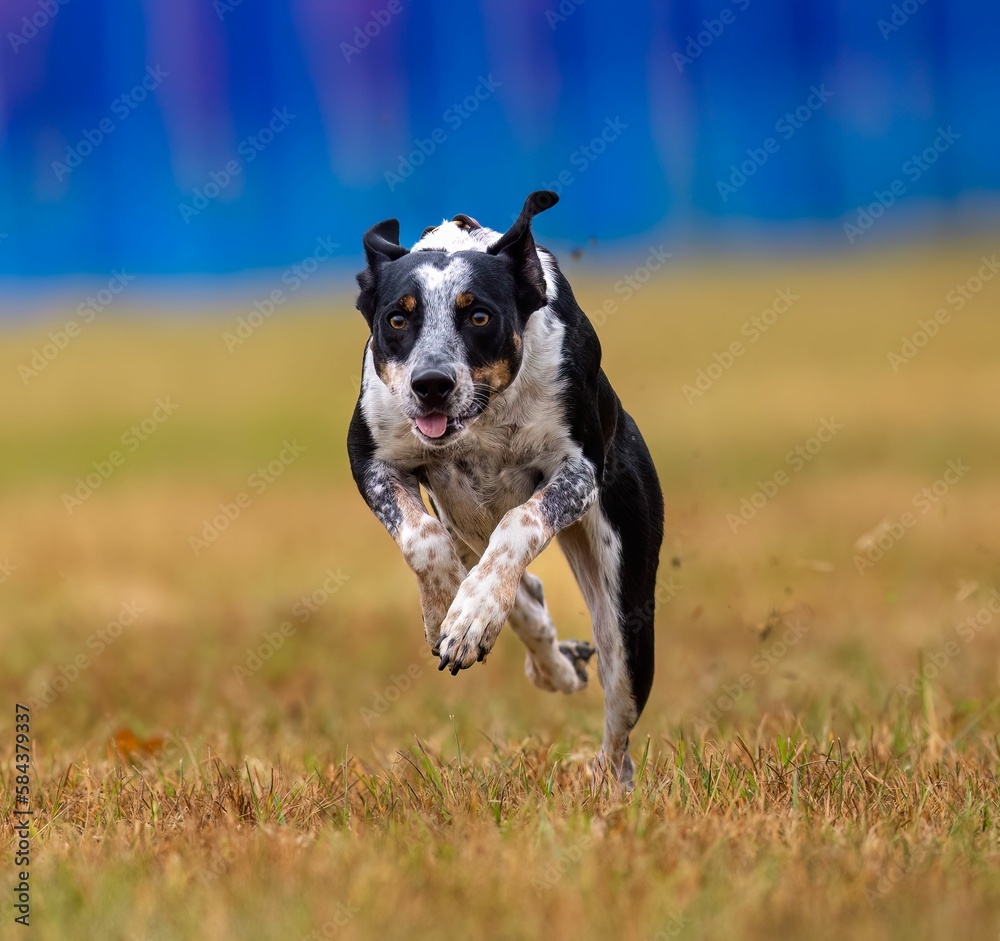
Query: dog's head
x=447, y=323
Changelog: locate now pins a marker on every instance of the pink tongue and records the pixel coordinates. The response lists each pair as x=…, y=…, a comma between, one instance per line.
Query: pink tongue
x=433, y=425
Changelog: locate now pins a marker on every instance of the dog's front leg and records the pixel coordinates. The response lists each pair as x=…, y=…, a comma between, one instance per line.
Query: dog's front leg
x=488, y=592
x=426, y=544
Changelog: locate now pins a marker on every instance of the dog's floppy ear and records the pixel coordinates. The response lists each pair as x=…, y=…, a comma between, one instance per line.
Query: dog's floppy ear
x=381, y=244
x=518, y=245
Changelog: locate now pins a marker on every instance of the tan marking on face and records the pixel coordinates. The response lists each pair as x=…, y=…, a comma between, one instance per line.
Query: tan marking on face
x=408, y=302
x=517, y=341
x=465, y=299
x=392, y=374
x=496, y=375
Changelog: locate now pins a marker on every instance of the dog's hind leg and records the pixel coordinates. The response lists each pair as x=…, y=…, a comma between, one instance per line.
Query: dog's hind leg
x=550, y=664
x=621, y=606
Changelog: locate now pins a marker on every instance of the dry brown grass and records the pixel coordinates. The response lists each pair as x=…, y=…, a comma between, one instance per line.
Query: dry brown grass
x=813, y=788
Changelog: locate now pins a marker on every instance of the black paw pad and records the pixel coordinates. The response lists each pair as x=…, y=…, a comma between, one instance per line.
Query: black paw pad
x=578, y=652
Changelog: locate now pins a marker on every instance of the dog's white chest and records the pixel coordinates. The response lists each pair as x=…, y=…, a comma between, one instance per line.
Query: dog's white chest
x=495, y=471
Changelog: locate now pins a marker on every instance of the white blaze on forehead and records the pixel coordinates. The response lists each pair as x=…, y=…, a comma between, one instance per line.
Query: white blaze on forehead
x=451, y=237
x=434, y=278
x=438, y=289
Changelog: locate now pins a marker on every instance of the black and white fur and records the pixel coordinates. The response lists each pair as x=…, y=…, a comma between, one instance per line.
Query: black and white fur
x=482, y=383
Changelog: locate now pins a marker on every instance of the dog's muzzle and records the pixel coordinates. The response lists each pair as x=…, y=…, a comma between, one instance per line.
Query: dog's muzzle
x=432, y=389
x=442, y=406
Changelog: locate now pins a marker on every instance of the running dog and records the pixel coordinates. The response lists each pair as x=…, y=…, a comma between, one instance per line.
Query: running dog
x=482, y=383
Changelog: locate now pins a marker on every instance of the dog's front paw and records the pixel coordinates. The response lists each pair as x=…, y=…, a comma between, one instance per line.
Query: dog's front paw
x=474, y=620
x=437, y=592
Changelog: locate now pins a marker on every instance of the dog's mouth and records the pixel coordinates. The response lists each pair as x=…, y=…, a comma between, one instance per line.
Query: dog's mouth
x=436, y=426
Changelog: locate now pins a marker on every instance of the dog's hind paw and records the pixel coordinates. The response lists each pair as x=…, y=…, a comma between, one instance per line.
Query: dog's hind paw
x=616, y=770
x=565, y=672
x=578, y=652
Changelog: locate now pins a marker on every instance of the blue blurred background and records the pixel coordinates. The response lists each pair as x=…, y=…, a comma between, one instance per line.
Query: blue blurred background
x=201, y=138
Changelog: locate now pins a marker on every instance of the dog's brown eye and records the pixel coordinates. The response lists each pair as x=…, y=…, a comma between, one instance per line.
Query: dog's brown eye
x=480, y=318
x=397, y=321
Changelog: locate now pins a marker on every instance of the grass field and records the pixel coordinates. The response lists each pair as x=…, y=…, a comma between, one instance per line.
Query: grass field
x=257, y=745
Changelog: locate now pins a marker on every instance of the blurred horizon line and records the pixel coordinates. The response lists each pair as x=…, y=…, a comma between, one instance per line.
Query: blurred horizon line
x=151, y=293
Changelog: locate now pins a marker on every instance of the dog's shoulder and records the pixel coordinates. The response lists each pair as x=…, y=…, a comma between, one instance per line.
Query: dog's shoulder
x=591, y=407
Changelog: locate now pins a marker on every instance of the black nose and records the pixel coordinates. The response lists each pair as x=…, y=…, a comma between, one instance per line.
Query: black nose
x=432, y=386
